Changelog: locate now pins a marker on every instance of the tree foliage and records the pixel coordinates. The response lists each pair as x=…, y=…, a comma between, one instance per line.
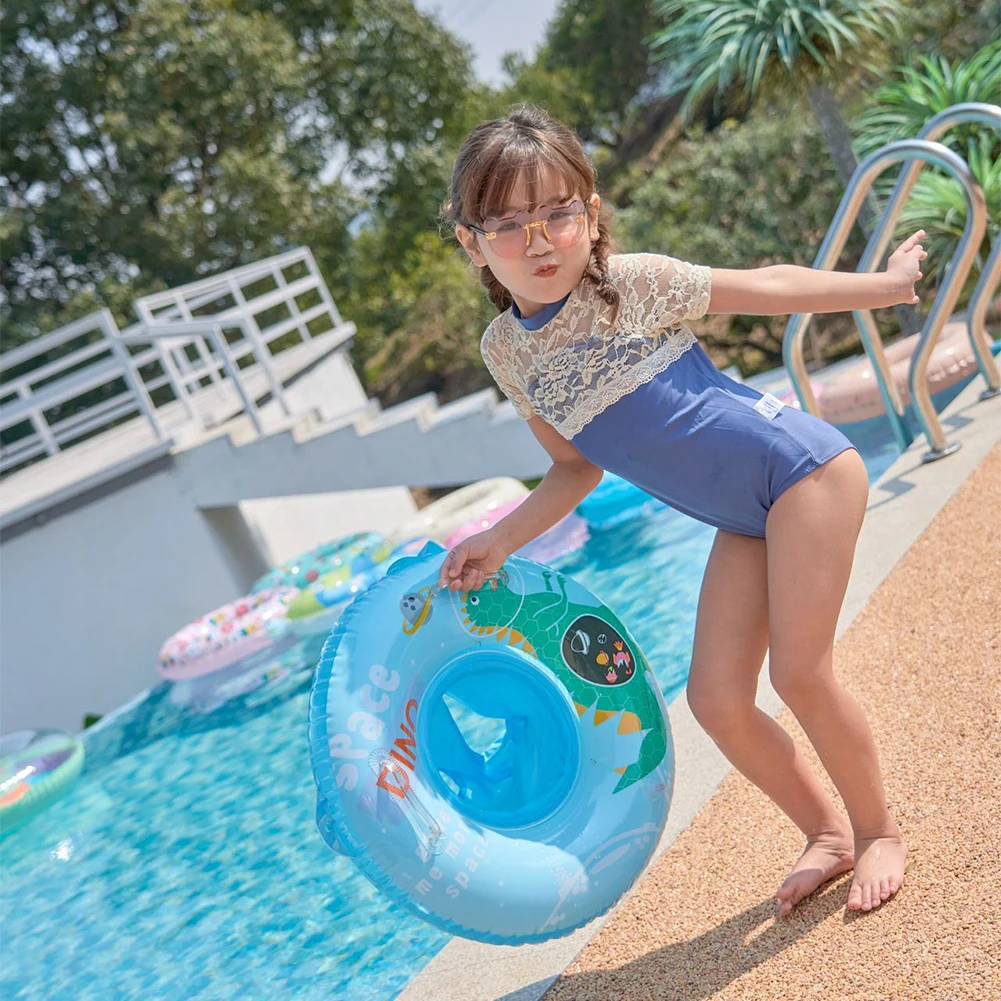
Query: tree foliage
x=149, y=142
x=746, y=195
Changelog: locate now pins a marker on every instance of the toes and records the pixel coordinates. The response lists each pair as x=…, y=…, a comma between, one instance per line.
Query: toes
x=884, y=888
x=855, y=897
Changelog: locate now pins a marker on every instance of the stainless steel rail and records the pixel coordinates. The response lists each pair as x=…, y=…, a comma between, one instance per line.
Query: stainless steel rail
x=959, y=265
x=990, y=275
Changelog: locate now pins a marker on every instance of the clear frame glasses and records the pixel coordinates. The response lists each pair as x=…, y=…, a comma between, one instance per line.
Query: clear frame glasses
x=561, y=225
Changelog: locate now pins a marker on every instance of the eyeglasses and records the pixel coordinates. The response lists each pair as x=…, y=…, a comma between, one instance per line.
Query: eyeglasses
x=561, y=225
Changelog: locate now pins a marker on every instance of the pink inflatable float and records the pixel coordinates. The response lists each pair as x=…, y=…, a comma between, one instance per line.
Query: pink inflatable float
x=226, y=635
x=566, y=535
x=852, y=393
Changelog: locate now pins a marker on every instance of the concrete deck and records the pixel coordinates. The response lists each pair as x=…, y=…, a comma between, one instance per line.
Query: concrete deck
x=667, y=940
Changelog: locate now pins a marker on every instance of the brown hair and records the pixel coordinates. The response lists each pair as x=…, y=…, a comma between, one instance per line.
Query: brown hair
x=492, y=158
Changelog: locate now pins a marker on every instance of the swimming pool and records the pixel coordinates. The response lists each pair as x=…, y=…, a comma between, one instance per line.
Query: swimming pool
x=185, y=863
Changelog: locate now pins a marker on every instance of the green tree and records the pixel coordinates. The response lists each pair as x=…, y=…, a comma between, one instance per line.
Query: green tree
x=592, y=69
x=784, y=47
x=915, y=93
x=147, y=143
x=747, y=194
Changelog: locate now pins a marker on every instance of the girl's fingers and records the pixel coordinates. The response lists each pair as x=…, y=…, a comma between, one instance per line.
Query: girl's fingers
x=452, y=567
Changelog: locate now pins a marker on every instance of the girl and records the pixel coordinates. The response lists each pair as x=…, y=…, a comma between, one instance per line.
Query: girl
x=593, y=351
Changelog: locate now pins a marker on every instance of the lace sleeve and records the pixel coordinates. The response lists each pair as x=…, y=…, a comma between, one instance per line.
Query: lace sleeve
x=670, y=290
x=499, y=366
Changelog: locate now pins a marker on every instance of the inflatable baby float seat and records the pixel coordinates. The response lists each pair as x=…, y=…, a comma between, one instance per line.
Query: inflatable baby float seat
x=498, y=763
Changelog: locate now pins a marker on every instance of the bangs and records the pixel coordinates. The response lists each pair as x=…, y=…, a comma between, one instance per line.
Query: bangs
x=545, y=171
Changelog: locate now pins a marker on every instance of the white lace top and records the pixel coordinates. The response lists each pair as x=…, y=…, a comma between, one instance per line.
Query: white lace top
x=578, y=363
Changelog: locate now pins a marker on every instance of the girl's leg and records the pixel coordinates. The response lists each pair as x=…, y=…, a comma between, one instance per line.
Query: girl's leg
x=731, y=635
x=810, y=536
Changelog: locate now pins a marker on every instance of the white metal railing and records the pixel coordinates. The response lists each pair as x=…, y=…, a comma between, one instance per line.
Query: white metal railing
x=37, y=396
x=188, y=331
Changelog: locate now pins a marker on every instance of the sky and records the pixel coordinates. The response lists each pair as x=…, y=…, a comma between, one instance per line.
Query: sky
x=493, y=27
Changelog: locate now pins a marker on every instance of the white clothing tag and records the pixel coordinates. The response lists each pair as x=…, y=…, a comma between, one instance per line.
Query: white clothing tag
x=768, y=406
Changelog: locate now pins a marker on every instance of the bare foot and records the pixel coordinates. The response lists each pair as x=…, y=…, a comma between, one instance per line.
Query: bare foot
x=879, y=870
x=825, y=856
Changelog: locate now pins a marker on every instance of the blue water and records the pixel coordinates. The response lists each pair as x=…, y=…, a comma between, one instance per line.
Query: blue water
x=185, y=863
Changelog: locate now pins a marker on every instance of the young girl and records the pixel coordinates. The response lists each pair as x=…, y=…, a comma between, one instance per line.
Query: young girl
x=593, y=351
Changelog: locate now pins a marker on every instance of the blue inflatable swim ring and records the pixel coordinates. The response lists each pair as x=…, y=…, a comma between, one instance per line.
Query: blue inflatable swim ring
x=511, y=837
x=615, y=501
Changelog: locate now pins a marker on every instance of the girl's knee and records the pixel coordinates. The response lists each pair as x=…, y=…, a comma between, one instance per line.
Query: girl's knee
x=716, y=711
x=796, y=684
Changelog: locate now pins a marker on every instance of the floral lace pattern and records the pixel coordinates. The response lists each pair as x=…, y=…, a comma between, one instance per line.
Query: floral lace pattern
x=573, y=367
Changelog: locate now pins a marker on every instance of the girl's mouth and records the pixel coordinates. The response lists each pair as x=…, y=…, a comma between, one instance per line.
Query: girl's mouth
x=546, y=272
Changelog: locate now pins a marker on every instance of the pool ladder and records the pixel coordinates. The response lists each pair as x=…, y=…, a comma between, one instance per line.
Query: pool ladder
x=920, y=150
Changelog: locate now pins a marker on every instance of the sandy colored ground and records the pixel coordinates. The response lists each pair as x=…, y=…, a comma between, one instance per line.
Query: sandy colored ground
x=924, y=659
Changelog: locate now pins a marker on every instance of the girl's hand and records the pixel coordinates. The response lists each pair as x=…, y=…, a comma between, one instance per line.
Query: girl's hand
x=905, y=266
x=467, y=566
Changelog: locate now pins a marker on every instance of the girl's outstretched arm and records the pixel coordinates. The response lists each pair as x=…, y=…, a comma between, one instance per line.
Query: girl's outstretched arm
x=788, y=288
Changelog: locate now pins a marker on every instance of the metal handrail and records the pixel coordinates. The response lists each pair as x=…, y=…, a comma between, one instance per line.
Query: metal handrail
x=32, y=406
x=214, y=332
x=990, y=275
x=956, y=271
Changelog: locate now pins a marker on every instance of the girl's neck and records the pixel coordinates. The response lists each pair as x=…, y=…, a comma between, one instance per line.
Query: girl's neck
x=527, y=308
x=544, y=312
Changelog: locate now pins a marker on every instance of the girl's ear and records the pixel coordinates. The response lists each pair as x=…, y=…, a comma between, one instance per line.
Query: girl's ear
x=594, y=207
x=468, y=240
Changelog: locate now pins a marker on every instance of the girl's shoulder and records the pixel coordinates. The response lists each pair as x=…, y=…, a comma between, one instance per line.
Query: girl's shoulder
x=627, y=266
x=658, y=288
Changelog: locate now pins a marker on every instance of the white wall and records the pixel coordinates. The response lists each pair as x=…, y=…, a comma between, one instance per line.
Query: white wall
x=88, y=596
x=283, y=527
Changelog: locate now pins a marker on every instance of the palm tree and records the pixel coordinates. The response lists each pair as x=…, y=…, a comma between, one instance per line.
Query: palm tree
x=900, y=107
x=782, y=47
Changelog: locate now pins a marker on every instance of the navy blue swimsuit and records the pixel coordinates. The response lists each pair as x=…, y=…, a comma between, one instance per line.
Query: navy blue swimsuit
x=692, y=438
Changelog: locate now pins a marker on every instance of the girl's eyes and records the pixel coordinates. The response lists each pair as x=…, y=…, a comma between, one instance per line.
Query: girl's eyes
x=506, y=227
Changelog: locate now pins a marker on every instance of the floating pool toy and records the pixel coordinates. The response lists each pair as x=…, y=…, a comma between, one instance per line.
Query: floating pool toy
x=566, y=535
x=850, y=393
x=615, y=501
x=438, y=520
x=510, y=837
x=268, y=672
x=308, y=567
x=317, y=608
x=36, y=768
x=240, y=629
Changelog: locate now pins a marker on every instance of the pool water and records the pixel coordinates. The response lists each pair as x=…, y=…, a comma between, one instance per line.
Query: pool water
x=185, y=862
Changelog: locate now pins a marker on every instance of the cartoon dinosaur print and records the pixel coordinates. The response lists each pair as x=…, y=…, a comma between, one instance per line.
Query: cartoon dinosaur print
x=587, y=649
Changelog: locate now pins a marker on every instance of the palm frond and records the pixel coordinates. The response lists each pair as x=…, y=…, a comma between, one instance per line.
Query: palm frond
x=714, y=43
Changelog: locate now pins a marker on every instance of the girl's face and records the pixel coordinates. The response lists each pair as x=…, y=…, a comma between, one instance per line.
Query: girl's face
x=541, y=273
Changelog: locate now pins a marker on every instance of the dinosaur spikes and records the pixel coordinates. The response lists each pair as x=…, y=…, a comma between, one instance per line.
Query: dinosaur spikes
x=502, y=633
x=600, y=715
x=630, y=723
x=580, y=709
x=516, y=638
x=466, y=622
x=620, y=771
x=527, y=647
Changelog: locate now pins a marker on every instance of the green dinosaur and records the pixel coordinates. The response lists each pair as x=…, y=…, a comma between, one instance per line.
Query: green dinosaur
x=586, y=647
